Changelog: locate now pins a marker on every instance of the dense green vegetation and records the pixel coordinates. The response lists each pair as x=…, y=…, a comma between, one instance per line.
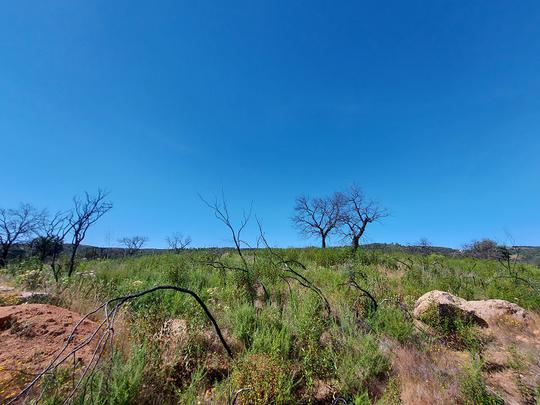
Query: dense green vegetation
x=287, y=343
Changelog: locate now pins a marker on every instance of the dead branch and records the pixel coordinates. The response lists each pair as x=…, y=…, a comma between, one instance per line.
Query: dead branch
x=366, y=293
x=178, y=242
x=287, y=266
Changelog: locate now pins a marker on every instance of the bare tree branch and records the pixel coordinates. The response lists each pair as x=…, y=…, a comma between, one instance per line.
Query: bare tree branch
x=318, y=216
x=106, y=327
x=16, y=225
x=221, y=212
x=87, y=211
x=177, y=242
x=287, y=266
x=133, y=244
x=357, y=213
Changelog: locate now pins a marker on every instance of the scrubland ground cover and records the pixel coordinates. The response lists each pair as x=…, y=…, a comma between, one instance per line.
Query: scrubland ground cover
x=344, y=331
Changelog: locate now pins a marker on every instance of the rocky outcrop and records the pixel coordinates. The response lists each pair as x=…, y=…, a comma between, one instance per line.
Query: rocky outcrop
x=484, y=313
x=510, y=336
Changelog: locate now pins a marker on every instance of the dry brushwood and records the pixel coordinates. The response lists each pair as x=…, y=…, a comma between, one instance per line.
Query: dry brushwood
x=290, y=273
x=104, y=334
x=285, y=267
x=221, y=212
x=366, y=293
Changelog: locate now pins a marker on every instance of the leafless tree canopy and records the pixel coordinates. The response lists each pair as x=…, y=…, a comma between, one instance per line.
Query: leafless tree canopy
x=87, y=210
x=356, y=213
x=52, y=232
x=221, y=212
x=177, y=242
x=133, y=244
x=347, y=212
x=318, y=216
x=16, y=226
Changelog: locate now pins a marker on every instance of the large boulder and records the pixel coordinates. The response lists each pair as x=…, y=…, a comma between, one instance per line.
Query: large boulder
x=484, y=313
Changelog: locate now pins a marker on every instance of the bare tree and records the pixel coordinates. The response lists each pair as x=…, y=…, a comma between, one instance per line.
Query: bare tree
x=177, y=242
x=249, y=279
x=318, y=216
x=424, y=246
x=50, y=242
x=221, y=212
x=87, y=211
x=133, y=244
x=16, y=225
x=357, y=213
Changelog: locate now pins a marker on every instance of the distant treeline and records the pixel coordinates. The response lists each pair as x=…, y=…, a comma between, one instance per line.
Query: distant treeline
x=526, y=254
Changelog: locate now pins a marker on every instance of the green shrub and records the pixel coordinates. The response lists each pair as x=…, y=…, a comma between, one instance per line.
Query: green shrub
x=271, y=336
x=265, y=378
x=360, y=364
x=391, y=321
x=457, y=328
x=244, y=322
x=189, y=395
x=119, y=386
x=292, y=330
x=473, y=387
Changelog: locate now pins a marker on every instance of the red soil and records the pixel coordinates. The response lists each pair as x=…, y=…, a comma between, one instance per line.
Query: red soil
x=30, y=337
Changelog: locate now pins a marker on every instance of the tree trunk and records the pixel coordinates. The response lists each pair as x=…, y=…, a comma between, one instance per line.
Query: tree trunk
x=355, y=242
x=54, y=268
x=72, y=260
x=4, y=257
x=323, y=241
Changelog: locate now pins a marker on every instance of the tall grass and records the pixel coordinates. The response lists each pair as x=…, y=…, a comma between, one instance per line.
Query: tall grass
x=287, y=346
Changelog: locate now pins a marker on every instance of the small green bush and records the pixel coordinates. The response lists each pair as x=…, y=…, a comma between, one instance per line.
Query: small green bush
x=473, y=387
x=266, y=379
x=244, y=322
x=361, y=364
x=391, y=321
x=456, y=328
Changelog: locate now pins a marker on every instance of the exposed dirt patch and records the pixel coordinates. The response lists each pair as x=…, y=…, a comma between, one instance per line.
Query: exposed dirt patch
x=30, y=336
x=426, y=377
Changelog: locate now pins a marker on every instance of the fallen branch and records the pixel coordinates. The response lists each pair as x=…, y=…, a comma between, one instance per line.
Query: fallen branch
x=354, y=283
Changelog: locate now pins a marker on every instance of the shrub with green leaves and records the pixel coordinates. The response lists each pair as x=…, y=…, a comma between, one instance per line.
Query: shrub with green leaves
x=390, y=320
x=473, y=387
x=290, y=328
x=361, y=364
x=456, y=327
x=263, y=379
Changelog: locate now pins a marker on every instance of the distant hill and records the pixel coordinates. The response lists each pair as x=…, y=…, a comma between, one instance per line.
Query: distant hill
x=527, y=254
x=413, y=249
x=530, y=254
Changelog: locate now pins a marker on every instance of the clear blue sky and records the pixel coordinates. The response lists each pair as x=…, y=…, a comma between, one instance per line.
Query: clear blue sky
x=433, y=107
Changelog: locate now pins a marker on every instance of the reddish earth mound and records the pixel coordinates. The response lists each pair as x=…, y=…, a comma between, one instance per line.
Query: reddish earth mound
x=30, y=336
